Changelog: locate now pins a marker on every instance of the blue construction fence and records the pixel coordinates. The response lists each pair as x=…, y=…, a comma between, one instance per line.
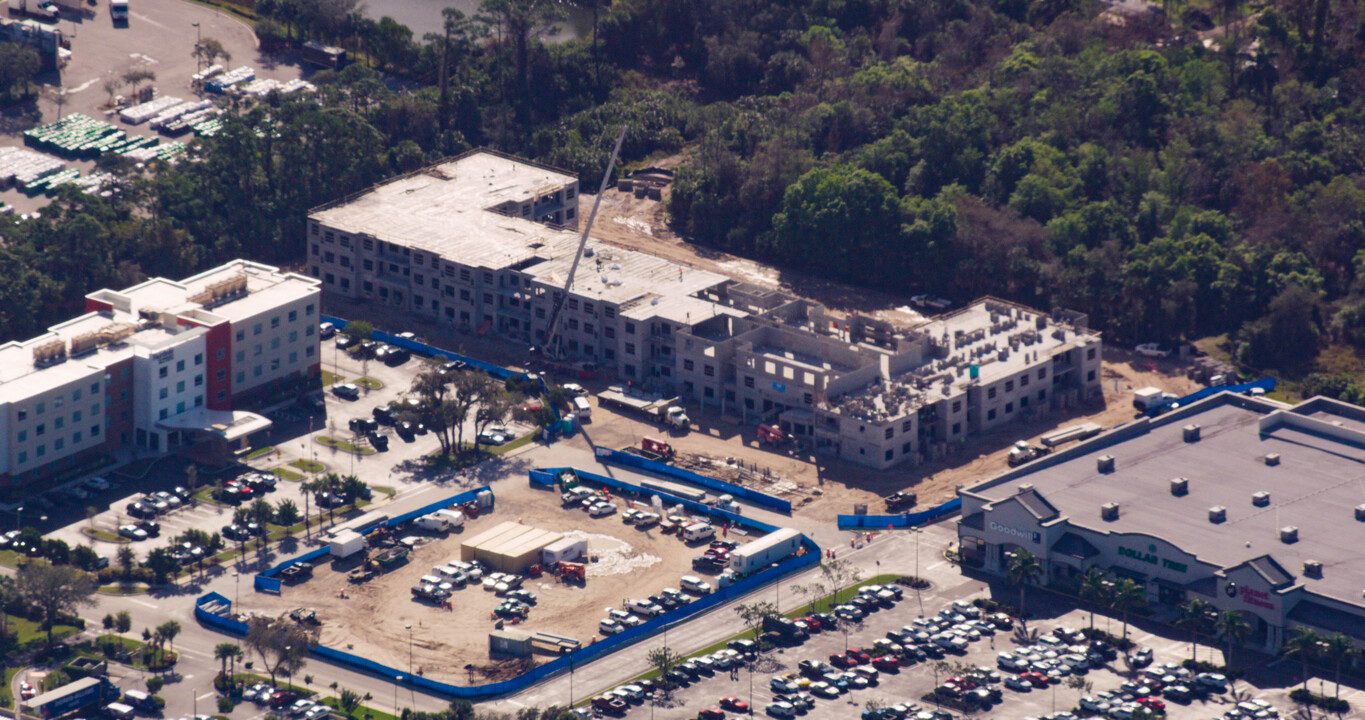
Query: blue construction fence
x=810, y=555
x=676, y=473
x=546, y=476
x=422, y=348
x=882, y=522
x=1266, y=384
x=267, y=581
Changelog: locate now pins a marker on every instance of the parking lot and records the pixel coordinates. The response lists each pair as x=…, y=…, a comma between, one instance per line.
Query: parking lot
x=903, y=686
x=382, y=619
x=160, y=38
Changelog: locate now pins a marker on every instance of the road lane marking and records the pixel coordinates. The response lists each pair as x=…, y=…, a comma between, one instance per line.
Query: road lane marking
x=144, y=603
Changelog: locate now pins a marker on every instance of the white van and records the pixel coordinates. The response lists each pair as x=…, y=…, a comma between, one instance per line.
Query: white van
x=453, y=518
x=119, y=710
x=582, y=409
x=697, y=532
x=432, y=523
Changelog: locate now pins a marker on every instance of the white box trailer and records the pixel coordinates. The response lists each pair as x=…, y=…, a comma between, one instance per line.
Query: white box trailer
x=564, y=550
x=774, y=547
x=346, y=544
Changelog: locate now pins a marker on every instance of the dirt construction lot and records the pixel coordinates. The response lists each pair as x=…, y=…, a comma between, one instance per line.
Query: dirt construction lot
x=371, y=619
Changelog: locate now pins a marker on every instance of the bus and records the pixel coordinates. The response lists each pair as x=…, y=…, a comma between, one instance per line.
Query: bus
x=325, y=56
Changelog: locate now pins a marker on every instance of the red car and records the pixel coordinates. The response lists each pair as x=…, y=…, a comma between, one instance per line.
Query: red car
x=962, y=682
x=840, y=660
x=812, y=623
x=1036, y=678
x=886, y=664
x=711, y=714
x=1152, y=704
x=858, y=656
x=735, y=704
x=283, y=698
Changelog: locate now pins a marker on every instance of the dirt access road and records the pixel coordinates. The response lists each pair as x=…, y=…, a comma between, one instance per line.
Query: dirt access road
x=825, y=487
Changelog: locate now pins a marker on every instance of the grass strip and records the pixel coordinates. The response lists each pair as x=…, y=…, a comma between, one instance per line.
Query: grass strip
x=258, y=452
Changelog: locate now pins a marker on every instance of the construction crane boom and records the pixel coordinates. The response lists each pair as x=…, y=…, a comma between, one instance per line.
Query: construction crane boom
x=551, y=330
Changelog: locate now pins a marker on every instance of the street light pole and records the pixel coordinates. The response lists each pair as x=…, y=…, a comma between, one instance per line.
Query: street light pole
x=409, y=627
x=198, y=41
x=237, y=596
x=396, y=678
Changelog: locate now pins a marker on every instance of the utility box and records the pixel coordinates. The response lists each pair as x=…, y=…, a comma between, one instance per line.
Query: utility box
x=513, y=643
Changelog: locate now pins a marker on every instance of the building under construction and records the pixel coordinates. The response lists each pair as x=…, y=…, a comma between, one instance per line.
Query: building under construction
x=485, y=243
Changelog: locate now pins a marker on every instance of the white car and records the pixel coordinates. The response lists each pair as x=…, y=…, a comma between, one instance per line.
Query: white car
x=1123, y=712
x=97, y=483
x=781, y=685
x=962, y=607
x=1090, y=703
x=132, y=532
x=601, y=509
x=1151, y=349
x=1017, y=683
x=350, y=391
x=574, y=389
x=781, y=708
x=610, y=626
x=623, y=617
x=1213, y=681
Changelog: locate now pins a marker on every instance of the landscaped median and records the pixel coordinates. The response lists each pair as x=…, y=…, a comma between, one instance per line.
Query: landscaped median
x=344, y=446
x=103, y=535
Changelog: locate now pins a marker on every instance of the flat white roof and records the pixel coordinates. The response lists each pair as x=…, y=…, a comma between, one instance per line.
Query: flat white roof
x=266, y=288
x=444, y=211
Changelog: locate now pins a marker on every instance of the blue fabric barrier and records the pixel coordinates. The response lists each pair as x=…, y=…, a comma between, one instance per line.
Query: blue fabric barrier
x=267, y=582
x=810, y=556
x=881, y=522
x=501, y=373
x=1266, y=384
x=716, y=515
x=675, y=473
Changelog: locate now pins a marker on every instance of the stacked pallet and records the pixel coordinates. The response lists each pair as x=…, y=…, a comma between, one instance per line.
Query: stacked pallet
x=19, y=167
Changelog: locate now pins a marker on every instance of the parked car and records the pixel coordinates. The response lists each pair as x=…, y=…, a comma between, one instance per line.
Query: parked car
x=349, y=391
x=495, y=436
x=132, y=532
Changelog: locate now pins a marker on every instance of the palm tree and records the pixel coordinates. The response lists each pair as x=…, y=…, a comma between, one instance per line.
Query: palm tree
x=1233, y=628
x=1305, y=646
x=1024, y=568
x=223, y=652
x=1338, y=649
x=306, y=488
x=287, y=513
x=1127, y=595
x=1194, y=615
x=1095, y=590
x=348, y=701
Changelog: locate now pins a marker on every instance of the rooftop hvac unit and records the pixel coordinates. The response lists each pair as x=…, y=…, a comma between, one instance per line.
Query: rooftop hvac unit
x=1272, y=459
x=1260, y=499
x=1180, y=486
x=1105, y=463
x=1289, y=534
x=49, y=352
x=1191, y=433
x=1109, y=511
x=1218, y=514
x=1025, y=487
x=1312, y=569
x=1360, y=512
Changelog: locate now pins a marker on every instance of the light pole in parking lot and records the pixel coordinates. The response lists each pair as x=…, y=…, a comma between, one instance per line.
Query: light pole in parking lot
x=409, y=627
x=237, y=578
x=198, y=41
x=918, y=595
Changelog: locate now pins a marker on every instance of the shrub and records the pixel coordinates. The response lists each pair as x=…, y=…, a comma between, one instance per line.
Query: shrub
x=1306, y=697
x=154, y=684
x=224, y=705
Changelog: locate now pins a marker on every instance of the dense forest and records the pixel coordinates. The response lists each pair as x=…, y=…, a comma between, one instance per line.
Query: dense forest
x=1177, y=171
